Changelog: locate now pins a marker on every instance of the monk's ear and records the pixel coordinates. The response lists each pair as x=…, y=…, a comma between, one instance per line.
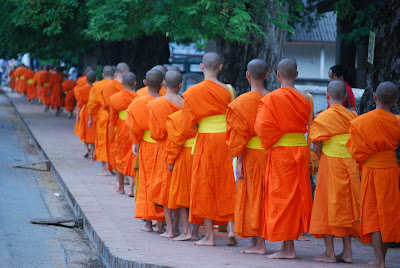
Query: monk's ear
x=266, y=76
x=375, y=97
x=219, y=68
x=327, y=96
x=202, y=66
x=163, y=84
x=134, y=85
x=180, y=86
x=145, y=82
x=345, y=98
x=247, y=75
x=395, y=102
x=297, y=74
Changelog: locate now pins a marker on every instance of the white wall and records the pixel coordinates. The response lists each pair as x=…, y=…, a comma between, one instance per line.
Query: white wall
x=308, y=57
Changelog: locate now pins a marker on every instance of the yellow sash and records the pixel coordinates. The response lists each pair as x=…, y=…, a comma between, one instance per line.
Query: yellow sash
x=336, y=146
x=30, y=81
x=254, y=143
x=211, y=124
x=46, y=84
x=22, y=77
x=189, y=143
x=122, y=114
x=231, y=91
x=291, y=139
x=147, y=136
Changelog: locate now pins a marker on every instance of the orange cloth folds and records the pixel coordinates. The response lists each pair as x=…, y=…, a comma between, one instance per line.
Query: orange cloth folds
x=55, y=84
x=30, y=87
x=86, y=134
x=68, y=86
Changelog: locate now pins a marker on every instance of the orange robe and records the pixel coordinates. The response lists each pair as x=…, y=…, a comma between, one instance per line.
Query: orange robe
x=249, y=210
x=137, y=121
x=180, y=156
x=124, y=159
x=213, y=187
x=12, y=79
x=44, y=85
x=67, y=87
x=374, y=137
x=16, y=74
x=100, y=118
x=36, y=79
x=288, y=199
x=336, y=209
x=86, y=134
x=22, y=80
x=56, y=89
x=160, y=109
x=82, y=81
x=30, y=87
x=145, y=91
x=107, y=91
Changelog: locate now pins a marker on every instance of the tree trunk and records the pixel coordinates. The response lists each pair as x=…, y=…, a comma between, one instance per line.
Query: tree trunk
x=386, y=67
x=236, y=56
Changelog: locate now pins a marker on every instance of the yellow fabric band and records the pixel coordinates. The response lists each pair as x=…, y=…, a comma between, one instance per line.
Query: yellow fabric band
x=231, y=91
x=22, y=77
x=46, y=84
x=291, y=140
x=254, y=143
x=189, y=143
x=336, y=146
x=211, y=124
x=122, y=114
x=30, y=81
x=147, y=136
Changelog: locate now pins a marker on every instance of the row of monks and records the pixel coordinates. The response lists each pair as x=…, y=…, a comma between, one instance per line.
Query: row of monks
x=179, y=151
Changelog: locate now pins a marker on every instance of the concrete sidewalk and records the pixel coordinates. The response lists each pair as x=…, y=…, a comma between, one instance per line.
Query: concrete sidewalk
x=109, y=217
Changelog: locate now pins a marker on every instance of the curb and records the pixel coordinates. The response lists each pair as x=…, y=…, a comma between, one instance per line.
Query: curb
x=109, y=259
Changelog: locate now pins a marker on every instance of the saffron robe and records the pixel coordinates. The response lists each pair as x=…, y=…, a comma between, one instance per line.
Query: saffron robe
x=181, y=158
x=336, y=209
x=82, y=81
x=374, y=137
x=45, y=86
x=145, y=91
x=288, y=199
x=137, y=121
x=125, y=160
x=100, y=119
x=30, y=87
x=22, y=80
x=160, y=109
x=107, y=91
x=56, y=89
x=249, y=210
x=67, y=87
x=86, y=134
x=213, y=187
x=36, y=79
x=12, y=79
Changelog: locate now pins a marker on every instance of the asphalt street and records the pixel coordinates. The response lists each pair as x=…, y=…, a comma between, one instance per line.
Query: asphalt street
x=27, y=194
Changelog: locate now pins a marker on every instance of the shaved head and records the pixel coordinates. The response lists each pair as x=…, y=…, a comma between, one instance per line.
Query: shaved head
x=387, y=92
x=257, y=69
x=288, y=68
x=211, y=61
x=337, y=90
x=129, y=79
x=91, y=77
x=108, y=71
x=173, y=79
x=154, y=78
x=121, y=68
x=173, y=68
x=160, y=68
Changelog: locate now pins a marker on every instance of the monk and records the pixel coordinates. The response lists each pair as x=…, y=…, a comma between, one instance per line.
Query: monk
x=55, y=91
x=374, y=137
x=12, y=78
x=179, y=157
x=281, y=122
x=36, y=79
x=252, y=158
x=30, y=87
x=137, y=121
x=67, y=88
x=145, y=91
x=16, y=74
x=22, y=79
x=125, y=160
x=80, y=82
x=109, y=89
x=86, y=134
x=99, y=117
x=44, y=87
x=213, y=187
x=336, y=209
x=160, y=109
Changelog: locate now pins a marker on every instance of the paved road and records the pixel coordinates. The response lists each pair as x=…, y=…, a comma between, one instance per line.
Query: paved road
x=26, y=194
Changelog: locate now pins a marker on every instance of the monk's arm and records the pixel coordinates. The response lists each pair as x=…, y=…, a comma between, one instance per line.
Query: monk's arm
x=239, y=167
x=317, y=148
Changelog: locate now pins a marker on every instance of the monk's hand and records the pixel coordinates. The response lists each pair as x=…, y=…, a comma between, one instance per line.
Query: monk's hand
x=78, y=118
x=195, y=126
x=170, y=167
x=239, y=168
x=135, y=149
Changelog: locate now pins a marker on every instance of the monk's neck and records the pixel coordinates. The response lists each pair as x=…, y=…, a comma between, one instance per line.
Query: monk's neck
x=118, y=78
x=383, y=107
x=129, y=89
x=288, y=84
x=258, y=86
x=171, y=94
x=212, y=76
x=335, y=103
x=154, y=92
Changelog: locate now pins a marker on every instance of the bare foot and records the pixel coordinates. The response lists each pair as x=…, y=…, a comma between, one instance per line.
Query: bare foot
x=167, y=235
x=86, y=155
x=147, y=229
x=232, y=241
x=130, y=194
x=121, y=191
x=344, y=258
x=282, y=254
x=176, y=232
x=254, y=250
x=373, y=264
x=205, y=242
x=325, y=258
x=183, y=237
x=160, y=230
x=197, y=237
x=102, y=174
